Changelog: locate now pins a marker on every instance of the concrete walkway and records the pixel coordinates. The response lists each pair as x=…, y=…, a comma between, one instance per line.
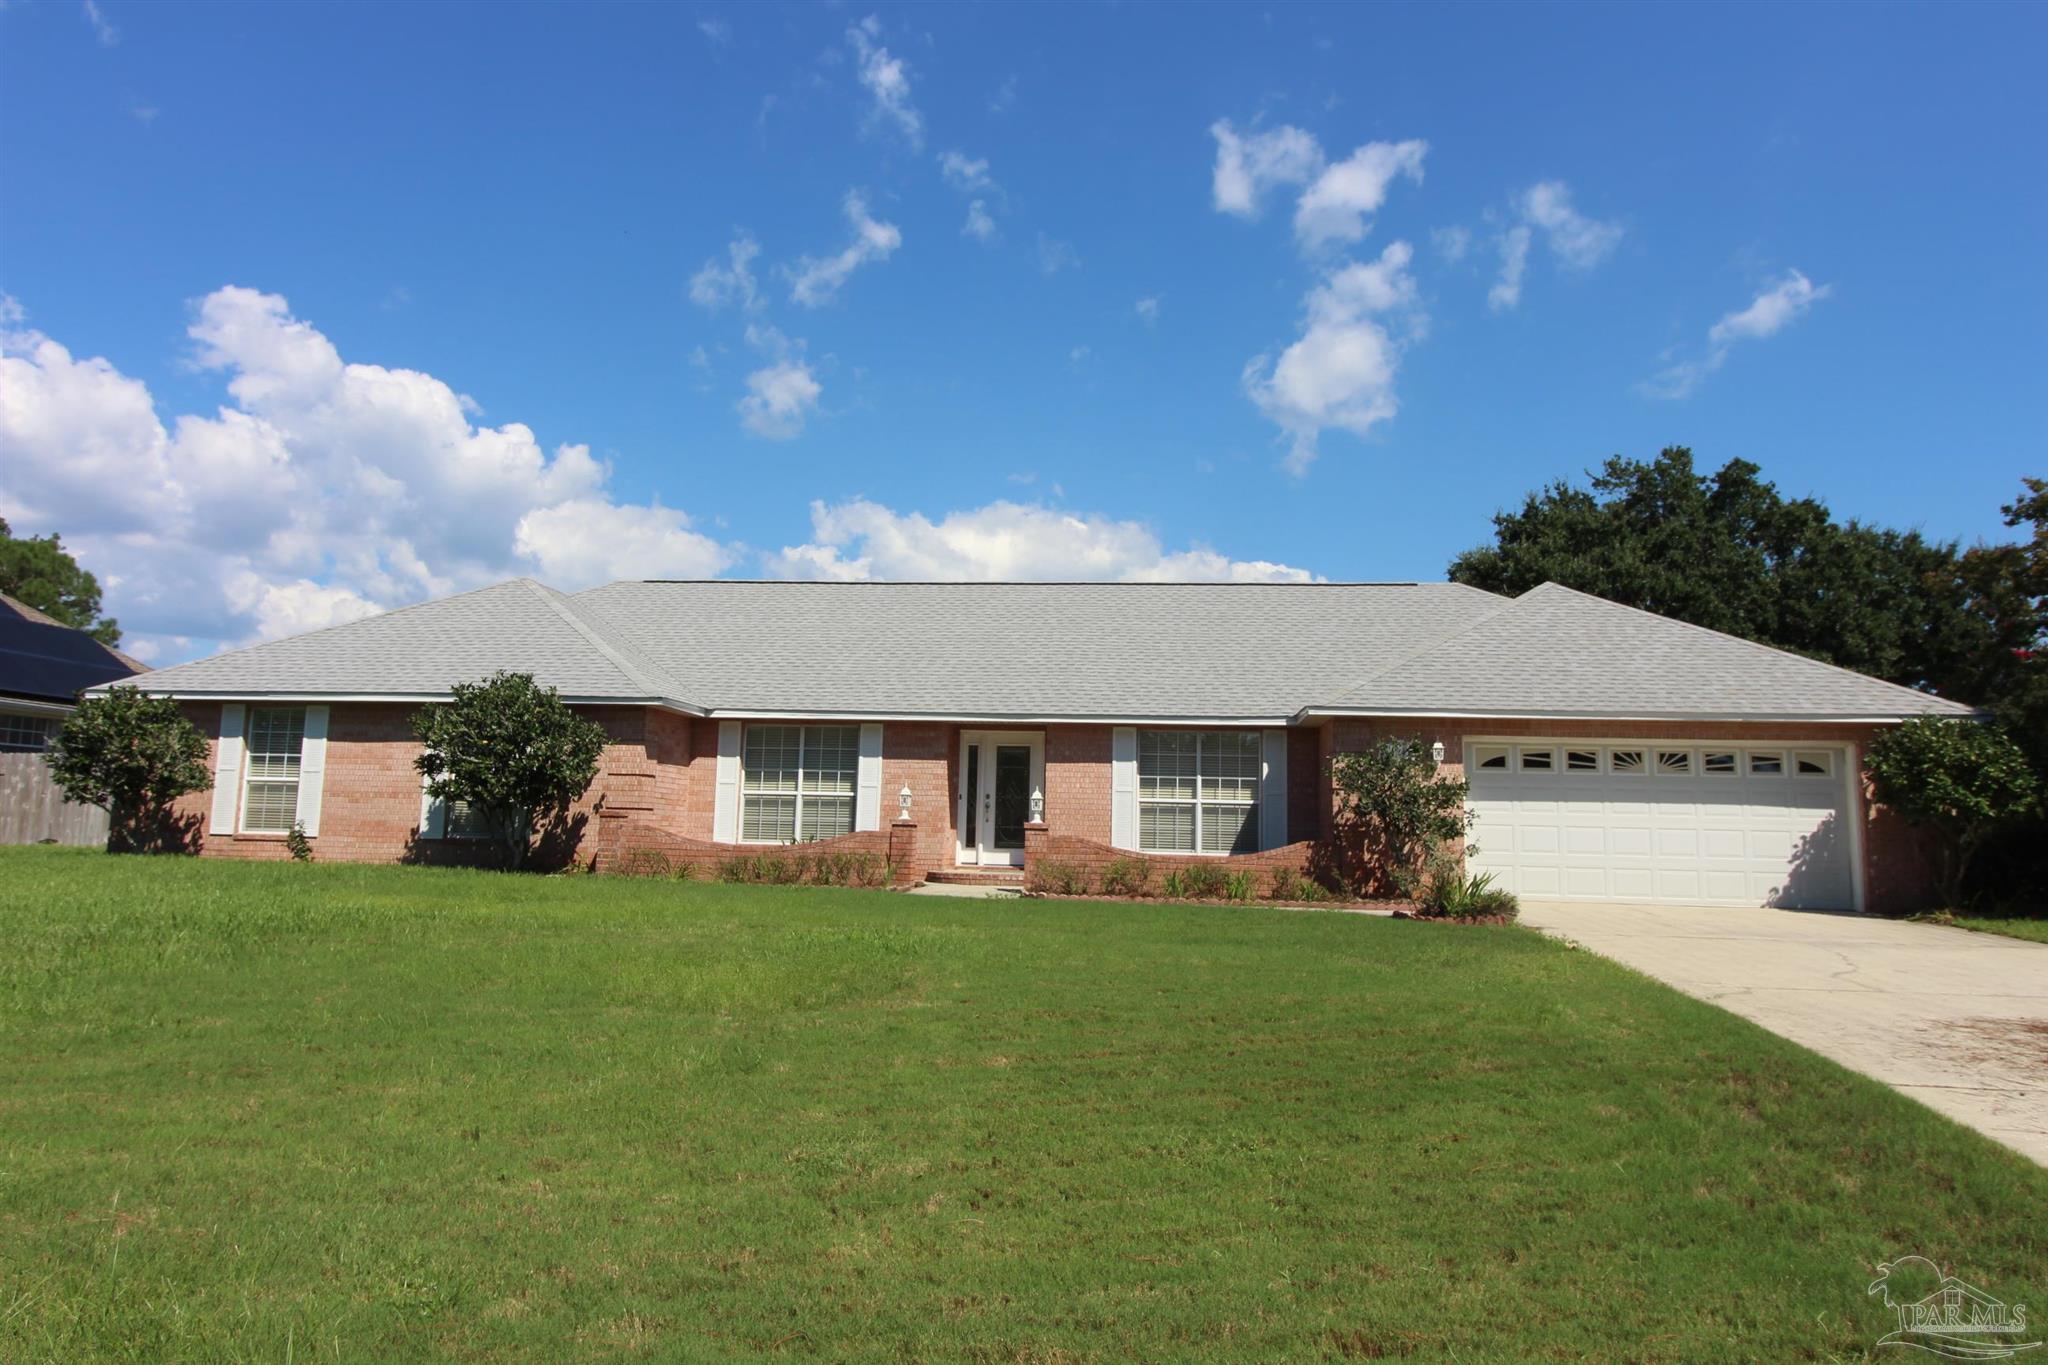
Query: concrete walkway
x=1957, y=1020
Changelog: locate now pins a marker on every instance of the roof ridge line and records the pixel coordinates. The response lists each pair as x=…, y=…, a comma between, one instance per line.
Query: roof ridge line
x=1742, y=640
x=633, y=671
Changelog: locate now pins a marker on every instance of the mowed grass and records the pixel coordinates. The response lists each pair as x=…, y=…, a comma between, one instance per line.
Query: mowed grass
x=314, y=1113
x=2012, y=926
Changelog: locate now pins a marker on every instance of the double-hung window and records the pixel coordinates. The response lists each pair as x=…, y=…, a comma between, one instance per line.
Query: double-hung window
x=1198, y=791
x=797, y=782
x=277, y=741
x=24, y=734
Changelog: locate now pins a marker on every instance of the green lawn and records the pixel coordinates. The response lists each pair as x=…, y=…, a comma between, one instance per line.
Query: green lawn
x=314, y=1113
x=2012, y=926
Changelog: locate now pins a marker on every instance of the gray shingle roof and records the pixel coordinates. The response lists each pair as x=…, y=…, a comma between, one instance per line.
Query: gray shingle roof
x=419, y=651
x=1025, y=649
x=1059, y=650
x=1556, y=652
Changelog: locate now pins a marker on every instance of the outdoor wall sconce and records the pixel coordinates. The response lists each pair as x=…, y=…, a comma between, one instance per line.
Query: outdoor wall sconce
x=1436, y=752
x=1037, y=806
x=903, y=803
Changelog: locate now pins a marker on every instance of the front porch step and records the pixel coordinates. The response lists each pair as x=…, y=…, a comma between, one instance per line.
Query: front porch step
x=977, y=876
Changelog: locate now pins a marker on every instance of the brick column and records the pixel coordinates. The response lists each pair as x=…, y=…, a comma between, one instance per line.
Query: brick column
x=1035, y=833
x=609, y=845
x=903, y=852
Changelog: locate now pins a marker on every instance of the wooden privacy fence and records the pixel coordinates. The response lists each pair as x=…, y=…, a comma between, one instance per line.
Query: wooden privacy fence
x=32, y=809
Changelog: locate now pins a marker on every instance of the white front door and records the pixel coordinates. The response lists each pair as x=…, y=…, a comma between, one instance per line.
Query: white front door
x=1694, y=822
x=999, y=771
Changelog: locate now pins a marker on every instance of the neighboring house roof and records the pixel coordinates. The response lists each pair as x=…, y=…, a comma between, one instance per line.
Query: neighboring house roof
x=42, y=659
x=1057, y=651
x=1556, y=652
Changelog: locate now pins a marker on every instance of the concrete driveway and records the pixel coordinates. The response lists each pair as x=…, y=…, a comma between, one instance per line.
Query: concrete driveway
x=1958, y=1021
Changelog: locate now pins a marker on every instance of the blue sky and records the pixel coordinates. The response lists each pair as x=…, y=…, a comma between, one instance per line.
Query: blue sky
x=319, y=310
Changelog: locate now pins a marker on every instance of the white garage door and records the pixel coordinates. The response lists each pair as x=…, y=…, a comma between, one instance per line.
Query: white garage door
x=1695, y=823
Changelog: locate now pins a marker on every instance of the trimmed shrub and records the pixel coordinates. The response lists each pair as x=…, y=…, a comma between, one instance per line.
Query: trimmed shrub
x=1127, y=877
x=1202, y=881
x=645, y=862
x=1451, y=894
x=1058, y=879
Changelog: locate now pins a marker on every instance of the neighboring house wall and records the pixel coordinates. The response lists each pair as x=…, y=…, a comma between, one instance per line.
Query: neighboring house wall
x=1896, y=868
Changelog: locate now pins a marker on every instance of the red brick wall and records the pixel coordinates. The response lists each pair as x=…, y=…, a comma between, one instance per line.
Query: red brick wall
x=661, y=769
x=921, y=755
x=1077, y=780
x=370, y=797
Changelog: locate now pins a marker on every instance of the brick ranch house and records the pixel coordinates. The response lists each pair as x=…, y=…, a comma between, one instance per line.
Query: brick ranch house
x=1613, y=754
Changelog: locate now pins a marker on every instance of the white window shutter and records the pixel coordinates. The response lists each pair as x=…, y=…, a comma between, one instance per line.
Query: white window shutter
x=867, y=805
x=312, y=769
x=1123, y=787
x=433, y=813
x=1273, y=791
x=227, y=770
x=725, y=814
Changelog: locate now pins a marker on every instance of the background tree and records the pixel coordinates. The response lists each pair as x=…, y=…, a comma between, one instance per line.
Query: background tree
x=38, y=570
x=133, y=756
x=1398, y=805
x=1729, y=552
x=1964, y=780
x=513, y=751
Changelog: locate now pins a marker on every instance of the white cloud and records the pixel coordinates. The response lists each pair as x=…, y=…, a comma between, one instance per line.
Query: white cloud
x=1002, y=541
x=1340, y=373
x=1578, y=242
x=323, y=490
x=1337, y=206
x=294, y=607
x=1247, y=165
x=887, y=80
x=1148, y=310
x=816, y=281
x=716, y=30
x=1004, y=96
x=591, y=540
x=104, y=31
x=966, y=174
x=1055, y=256
x=1769, y=313
x=1514, y=262
x=1451, y=243
x=779, y=398
x=979, y=225
x=714, y=285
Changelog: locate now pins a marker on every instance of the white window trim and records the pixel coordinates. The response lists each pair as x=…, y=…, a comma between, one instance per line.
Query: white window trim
x=1256, y=804
x=307, y=739
x=854, y=797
